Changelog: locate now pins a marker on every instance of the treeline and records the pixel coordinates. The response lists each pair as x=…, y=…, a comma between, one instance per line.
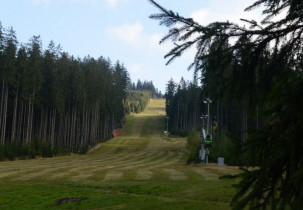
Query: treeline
x=183, y=106
x=235, y=112
x=148, y=86
x=238, y=107
x=137, y=101
x=53, y=101
x=253, y=74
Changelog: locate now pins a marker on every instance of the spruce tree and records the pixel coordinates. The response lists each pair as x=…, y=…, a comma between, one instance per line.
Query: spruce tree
x=275, y=84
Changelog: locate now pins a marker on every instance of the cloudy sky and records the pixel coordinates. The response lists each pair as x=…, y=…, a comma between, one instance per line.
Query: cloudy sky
x=118, y=29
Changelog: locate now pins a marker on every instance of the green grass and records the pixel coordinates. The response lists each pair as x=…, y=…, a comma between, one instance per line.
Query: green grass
x=139, y=170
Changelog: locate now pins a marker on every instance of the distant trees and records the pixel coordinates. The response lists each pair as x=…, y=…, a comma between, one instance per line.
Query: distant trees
x=148, y=86
x=138, y=96
x=137, y=100
x=49, y=99
x=183, y=106
x=256, y=83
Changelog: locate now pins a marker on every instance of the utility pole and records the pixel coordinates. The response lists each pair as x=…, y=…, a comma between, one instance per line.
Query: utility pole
x=208, y=101
x=203, y=117
x=202, y=151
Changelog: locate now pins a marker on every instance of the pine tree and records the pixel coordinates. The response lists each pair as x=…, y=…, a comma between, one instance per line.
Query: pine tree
x=51, y=102
x=274, y=85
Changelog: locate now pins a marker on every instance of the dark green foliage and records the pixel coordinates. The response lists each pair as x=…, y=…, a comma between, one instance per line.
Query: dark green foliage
x=193, y=146
x=31, y=153
x=181, y=133
x=9, y=151
x=43, y=148
x=83, y=150
x=2, y=153
x=52, y=103
x=260, y=74
x=229, y=147
x=146, y=85
x=31, y=150
x=137, y=101
x=182, y=106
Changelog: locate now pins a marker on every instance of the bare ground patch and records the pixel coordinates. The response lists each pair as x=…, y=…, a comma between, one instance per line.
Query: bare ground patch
x=36, y=174
x=175, y=175
x=113, y=175
x=206, y=174
x=68, y=200
x=95, y=147
x=81, y=176
x=144, y=174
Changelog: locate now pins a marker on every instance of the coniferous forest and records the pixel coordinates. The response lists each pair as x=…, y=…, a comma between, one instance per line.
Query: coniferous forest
x=247, y=87
x=138, y=96
x=54, y=103
x=253, y=75
x=183, y=106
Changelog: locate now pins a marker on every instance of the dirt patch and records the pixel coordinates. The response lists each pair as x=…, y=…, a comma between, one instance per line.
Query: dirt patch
x=81, y=176
x=95, y=148
x=175, y=175
x=113, y=175
x=205, y=173
x=223, y=169
x=69, y=199
x=144, y=174
x=10, y=173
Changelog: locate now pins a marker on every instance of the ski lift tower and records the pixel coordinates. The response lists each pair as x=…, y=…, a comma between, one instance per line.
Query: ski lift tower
x=202, y=150
x=207, y=138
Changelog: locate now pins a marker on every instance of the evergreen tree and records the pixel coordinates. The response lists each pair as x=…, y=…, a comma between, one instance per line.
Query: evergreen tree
x=52, y=103
x=139, y=85
x=170, y=92
x=275, y=84
x=183, y=106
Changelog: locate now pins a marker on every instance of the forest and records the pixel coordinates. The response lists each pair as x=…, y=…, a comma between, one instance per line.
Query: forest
x=138, y=96
x=54, y=103
x=252, y=73
x=148, y=86
x=183, y=106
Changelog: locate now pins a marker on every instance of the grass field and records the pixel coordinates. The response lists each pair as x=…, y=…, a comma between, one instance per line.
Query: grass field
x=139, y=170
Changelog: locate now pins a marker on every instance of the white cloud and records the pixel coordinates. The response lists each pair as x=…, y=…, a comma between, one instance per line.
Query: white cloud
x=83, y=1
x=107, y=3
x=134, y=35
x=223, y=10
x=131, y=34
x=44, y=2
x=47, y=2
x=114, y=3
x=135, y=68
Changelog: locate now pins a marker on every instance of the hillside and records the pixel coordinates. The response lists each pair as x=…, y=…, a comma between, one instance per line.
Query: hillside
x=141, y=169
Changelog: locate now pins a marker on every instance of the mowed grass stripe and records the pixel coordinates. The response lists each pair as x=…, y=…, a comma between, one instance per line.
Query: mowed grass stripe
x=152, y=160
x=146, y=129
x=141, y=169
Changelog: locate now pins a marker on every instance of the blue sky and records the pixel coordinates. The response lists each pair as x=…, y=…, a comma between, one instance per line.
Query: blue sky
x=118, y=29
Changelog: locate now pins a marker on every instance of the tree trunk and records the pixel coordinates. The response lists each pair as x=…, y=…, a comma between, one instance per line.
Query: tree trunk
x=53, y=127
x=4, y=113
x=13, y=134
x=1, y=112
x=244, y=120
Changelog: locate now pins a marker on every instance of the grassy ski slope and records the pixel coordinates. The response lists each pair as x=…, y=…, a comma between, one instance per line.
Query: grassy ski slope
x=139, y=170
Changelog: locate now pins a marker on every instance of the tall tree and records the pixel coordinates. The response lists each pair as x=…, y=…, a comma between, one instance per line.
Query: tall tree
x=276, y=147
x=8, y=67
x=51, y=102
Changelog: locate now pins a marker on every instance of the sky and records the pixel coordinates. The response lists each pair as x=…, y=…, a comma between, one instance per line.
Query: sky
x=118, y=29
